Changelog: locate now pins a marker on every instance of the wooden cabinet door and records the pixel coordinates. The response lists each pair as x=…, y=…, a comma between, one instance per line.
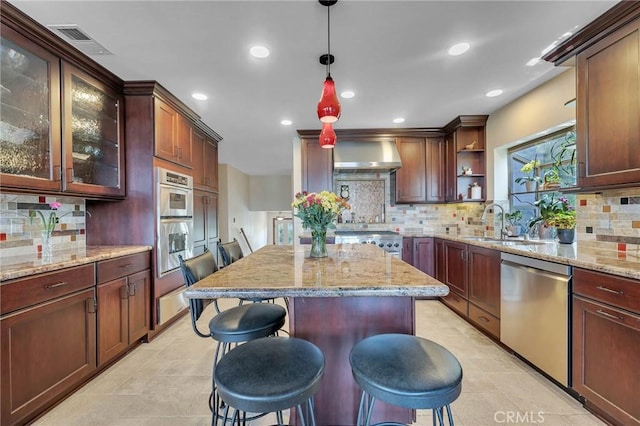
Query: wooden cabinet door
x=93, y=145
x=484, y=279
x=211, y=164
x=184, y=142
x=423, y=253
x=317, y=167
x=411, y=177
x=166, y=129
x=440, y=263
x=451, y=179
x=31, y=107
x=139, y=288
x=456, y=267
x=199, y=179
x=435, y=178
x=407, y=250
x=113, y=307
x=199, y=216
x=608, y=110
x=606, y=365
x=212, y=221
x=45, y=351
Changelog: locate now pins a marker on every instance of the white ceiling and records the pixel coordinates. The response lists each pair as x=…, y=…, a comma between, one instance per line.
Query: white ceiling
x=392, y=54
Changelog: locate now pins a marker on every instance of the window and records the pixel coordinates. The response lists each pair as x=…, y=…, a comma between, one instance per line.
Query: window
x=554, y=169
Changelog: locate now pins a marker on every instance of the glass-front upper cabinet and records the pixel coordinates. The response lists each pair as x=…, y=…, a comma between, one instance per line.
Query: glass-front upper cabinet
x=92, y=117
x=29, y=115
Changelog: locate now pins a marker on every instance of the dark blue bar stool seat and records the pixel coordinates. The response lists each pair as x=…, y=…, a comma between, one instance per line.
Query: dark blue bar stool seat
x=269, y=376
x=406, y=371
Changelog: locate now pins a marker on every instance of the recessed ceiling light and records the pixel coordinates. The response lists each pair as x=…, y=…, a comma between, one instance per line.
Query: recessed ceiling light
x=533, y=62
x=347, y=94
x=199, y=96
x=398, y=120
x=494, y=93
x=258, y=51
x=286, y=122
x=459, y=49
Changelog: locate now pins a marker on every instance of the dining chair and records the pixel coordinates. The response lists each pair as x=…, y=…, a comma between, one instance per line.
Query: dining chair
x=229, y=327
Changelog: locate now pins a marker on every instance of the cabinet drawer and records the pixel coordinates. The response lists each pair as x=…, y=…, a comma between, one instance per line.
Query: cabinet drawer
x=119, y=267
x=456, y=302
x=484, y=320
x=617, y=291
x=20, y=293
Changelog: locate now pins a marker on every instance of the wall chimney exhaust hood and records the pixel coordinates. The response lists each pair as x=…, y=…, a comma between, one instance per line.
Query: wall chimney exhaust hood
x=366, y=156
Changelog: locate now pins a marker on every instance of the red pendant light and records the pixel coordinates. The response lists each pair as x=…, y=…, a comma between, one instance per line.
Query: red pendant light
x=327, y=136
x=329, y=105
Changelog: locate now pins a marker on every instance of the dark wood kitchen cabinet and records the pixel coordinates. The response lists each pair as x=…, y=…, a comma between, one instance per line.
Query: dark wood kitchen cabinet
x=606, y=344
x=317, y=166
x=205, y=222
x=465, y=147
x=423, y=255
x=407, y=250
x=173, y=134
x=473, y=276
x=205, y=162
x=606, y=54
x=48, y=340
x=66, y=114
x=124, y=311
x=421, y=177
x=484, y=288
x=608, y=110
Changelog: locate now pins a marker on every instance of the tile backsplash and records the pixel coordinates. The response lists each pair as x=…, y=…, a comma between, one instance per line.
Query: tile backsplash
x=19, y=236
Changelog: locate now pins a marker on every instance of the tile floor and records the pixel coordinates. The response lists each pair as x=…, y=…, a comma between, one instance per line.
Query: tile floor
x=167, y=382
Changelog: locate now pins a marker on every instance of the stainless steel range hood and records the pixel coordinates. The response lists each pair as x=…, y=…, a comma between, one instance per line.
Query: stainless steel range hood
x=367, y=156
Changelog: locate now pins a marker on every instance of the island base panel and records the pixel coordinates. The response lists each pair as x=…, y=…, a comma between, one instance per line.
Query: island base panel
x=335, y=325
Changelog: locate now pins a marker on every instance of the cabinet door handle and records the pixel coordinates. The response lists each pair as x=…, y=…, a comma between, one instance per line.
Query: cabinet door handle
x=124, y=291
x=132, y=289
x=483, y=318
x=581, y=171
x=70, y=175
x=57, y=173
x=608, y=315
x=60, y=284
x=620, y=292
x=127, y=265
x=179, y=152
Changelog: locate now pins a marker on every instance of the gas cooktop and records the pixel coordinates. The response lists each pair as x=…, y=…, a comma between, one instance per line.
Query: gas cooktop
x=359, y=233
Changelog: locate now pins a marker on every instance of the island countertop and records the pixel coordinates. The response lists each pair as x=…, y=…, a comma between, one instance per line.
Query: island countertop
x=287, y=271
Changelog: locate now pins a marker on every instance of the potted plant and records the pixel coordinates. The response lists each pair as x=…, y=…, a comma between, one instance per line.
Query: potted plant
x=550, y=208
x=551, y=179
x=514, y=226
x=565, y=223
x=530, y=180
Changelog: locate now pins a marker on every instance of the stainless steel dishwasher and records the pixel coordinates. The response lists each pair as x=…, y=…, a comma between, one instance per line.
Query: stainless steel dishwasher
x=534, y=312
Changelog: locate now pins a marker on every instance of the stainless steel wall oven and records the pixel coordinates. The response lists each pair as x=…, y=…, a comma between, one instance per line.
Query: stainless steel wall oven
x=174, y=195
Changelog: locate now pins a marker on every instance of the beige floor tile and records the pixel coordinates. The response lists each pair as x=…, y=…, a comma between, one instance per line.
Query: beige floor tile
x=167, y=382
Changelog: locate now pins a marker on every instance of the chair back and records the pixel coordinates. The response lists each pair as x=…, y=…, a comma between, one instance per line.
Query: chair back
x=193, y=270
x=230, y=252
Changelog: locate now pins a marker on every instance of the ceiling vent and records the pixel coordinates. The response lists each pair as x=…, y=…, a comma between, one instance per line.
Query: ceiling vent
x=79, y=39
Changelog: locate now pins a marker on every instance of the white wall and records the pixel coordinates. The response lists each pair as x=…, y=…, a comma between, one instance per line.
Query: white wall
x=539, y=110
x=270, y=193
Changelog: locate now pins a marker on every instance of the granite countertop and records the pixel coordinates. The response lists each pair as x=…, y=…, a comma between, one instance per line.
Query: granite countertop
x=287, y=271
x=579, y=254
x=22, y=266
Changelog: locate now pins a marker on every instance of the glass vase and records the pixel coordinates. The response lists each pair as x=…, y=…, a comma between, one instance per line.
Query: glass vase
x=47, y=246
x=318, y=244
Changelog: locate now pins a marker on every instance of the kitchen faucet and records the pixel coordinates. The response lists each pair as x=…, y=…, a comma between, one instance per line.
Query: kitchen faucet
x=484, y=217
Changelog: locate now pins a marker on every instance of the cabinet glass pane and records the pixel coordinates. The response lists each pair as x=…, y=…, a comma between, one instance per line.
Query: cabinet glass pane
x=94, y=126
x=24, y=113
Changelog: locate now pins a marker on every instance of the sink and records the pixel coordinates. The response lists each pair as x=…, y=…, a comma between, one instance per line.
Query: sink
x=504, y=242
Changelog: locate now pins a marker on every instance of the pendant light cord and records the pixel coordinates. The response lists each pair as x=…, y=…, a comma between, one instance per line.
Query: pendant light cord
x=328, y=41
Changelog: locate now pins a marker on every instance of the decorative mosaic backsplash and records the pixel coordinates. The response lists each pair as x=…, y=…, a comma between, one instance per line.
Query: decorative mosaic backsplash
x=18, y=236
x=366, y=198
x=610, y=219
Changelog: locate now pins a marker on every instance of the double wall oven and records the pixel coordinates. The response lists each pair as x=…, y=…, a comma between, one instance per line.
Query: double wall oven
x=174, y=218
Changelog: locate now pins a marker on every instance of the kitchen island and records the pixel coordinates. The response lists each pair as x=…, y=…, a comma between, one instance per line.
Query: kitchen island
x=355, y=292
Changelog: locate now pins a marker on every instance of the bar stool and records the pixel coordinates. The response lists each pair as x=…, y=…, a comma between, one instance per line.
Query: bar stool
x=232, y=326
x=268, y=376
x=406, y=371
